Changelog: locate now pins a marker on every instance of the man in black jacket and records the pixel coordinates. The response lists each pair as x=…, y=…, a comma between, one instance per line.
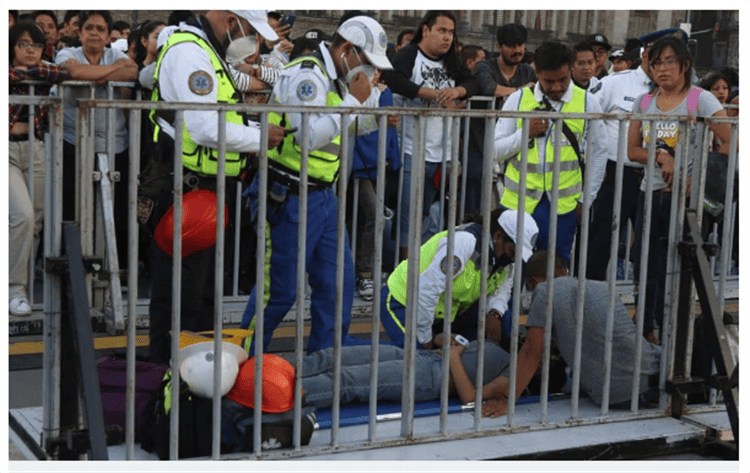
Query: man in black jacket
x=427, y=73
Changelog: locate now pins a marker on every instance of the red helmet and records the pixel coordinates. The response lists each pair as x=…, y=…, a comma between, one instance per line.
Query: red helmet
x=198, y=223
x=278, y=384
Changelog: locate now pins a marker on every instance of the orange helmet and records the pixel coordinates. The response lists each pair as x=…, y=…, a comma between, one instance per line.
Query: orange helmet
x=198, y=223
x=278, y=384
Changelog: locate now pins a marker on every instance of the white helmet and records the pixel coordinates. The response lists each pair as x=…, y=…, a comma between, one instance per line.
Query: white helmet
x=366, y=33
x=197, y=367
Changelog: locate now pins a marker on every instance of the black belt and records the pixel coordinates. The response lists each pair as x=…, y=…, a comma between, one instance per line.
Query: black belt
x=293, y=184
x=21, y=137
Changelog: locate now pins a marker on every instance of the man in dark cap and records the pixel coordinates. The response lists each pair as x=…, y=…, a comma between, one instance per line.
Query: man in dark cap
x=601, y=46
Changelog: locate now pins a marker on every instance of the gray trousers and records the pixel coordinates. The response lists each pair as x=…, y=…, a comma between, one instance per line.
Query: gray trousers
x=24, y=217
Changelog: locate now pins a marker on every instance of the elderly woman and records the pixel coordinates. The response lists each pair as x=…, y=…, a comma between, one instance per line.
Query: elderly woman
x=94, y=61
x=671, y=69
x=26, y=43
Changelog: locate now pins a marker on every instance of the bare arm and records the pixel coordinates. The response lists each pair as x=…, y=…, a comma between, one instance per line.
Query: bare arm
x=122, y=70
x=636, y=152
x=529, y=360
x=722, y=131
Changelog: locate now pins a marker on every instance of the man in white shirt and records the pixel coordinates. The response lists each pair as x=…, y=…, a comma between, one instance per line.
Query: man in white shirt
x=616, y=94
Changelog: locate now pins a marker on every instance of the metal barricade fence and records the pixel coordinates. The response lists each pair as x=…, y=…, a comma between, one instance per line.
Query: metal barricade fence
x=408, y=435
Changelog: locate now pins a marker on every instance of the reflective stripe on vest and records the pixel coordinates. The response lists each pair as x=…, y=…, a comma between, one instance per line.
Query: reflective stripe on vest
x=466, y=286
x=537, y=180
x=323, y=163
x=194, y=157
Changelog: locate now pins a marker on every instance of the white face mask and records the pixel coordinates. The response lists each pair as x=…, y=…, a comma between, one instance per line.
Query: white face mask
x=241, y=48
x=366, y=69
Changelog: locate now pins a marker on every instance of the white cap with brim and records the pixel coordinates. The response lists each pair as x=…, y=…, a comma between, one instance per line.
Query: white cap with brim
x=367, y=34
x=259, y=20
x=507, y=221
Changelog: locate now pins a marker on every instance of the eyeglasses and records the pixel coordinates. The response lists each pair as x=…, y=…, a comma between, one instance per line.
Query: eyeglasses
x=668, y=63
x=27, y=45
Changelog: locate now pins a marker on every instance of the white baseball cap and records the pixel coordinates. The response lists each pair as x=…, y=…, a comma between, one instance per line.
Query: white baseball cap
x=366, y=33
x=259, y=20
x=507, y=221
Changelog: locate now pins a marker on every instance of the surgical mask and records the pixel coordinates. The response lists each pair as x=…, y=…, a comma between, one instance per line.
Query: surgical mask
x=366, y=69
x=241, y=48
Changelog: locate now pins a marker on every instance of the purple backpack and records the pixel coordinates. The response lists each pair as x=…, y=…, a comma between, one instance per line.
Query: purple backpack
x=112, y=383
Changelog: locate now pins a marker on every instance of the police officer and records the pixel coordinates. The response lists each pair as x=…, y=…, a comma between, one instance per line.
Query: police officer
x=617, y=94
x=466, y=275
x=191, y=68
x=601, y=46
x=553, y=91
x=336, y=73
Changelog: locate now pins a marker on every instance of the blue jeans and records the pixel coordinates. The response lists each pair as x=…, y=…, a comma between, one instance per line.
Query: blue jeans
x=280, y=277
x=656, y=271
x=317, y=377
x=428, y=195
x=566, y=229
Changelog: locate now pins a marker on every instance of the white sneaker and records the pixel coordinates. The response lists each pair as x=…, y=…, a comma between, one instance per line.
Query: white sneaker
x=20, y=307
x=365, y=288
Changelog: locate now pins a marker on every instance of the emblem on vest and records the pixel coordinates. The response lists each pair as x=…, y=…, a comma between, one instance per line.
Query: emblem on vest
x=456, y=265
x=307, y=90
x=200, y=83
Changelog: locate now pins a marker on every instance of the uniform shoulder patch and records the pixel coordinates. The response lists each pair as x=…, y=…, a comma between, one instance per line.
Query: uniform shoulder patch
x=456, y=265
x=307, y=90
x=200, y=83
x=596, y=88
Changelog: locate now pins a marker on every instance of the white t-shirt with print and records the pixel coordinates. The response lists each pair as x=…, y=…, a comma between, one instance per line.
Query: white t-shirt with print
x=433, y=75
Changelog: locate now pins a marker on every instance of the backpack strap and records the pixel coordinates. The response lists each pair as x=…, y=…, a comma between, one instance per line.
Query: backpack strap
x=693, y=100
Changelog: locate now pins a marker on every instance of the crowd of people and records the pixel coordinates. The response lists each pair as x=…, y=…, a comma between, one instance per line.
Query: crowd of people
x=230, y=56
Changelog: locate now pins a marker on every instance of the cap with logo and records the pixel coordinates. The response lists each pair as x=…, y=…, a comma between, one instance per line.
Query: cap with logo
x=599, y=39
x=259, y=20
x=367, y=34
x=619, y=54
x=316, y=35
x=507, y=221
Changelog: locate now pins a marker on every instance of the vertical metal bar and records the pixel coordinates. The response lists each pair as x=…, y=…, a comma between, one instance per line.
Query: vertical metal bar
x=552, y=245
x=399, y=193
x=517, y=282
x=649, y=197
x=260, y=251
x=339, y=303
x=52, y=291
x=134, y=148
x=301, y=279
x=448, y=299
x=443, y=166
x=729, y=223
x=622, y=151
x=581, y=295
x=465, y=163
x=237, y=236
x=355, y=220
x=174, y=420
x=412, y=301
x=377, y=275
x=30, y=177
x=221, y=187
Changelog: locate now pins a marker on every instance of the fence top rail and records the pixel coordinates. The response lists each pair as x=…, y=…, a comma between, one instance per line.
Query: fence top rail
x=427, y=113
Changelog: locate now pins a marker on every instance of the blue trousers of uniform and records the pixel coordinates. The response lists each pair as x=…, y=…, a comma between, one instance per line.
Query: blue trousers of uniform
x=566, y=229
x=280, y=276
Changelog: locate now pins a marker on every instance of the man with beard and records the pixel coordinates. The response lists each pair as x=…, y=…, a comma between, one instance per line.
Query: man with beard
x=465, y=271
x=427, y=73
x=499, y=75
x=554, y=91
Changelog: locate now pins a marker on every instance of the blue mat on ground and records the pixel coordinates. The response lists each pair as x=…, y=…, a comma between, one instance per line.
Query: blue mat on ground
x=356, y=414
